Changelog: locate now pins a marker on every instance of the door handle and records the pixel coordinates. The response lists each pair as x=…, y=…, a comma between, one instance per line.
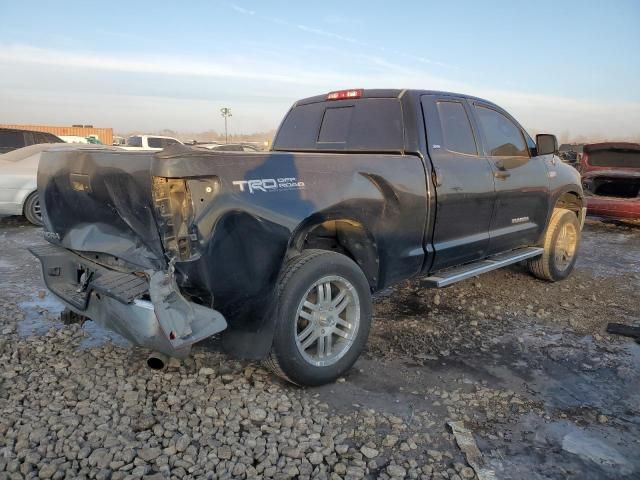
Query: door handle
x=500, y=165
x=501, y=175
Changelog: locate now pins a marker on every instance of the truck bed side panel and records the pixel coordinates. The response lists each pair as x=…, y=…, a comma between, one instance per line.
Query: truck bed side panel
x=245, y=232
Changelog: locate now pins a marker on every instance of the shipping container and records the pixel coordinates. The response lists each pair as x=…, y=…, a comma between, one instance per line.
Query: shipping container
x=105, y=135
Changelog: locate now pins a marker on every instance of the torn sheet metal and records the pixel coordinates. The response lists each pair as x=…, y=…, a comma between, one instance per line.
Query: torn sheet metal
x=100, y=201
x=169, y=323
x=468, y=445
x=183, y=322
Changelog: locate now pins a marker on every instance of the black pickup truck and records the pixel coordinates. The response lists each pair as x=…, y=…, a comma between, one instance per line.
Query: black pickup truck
x=280, y=251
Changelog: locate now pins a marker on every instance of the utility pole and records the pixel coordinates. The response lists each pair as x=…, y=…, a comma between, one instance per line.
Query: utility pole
x=226, y=113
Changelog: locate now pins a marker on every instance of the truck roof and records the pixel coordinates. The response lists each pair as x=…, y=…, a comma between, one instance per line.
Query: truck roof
x=391, y=93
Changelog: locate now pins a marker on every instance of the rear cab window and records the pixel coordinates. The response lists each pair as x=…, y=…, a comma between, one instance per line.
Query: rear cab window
x=362, y=125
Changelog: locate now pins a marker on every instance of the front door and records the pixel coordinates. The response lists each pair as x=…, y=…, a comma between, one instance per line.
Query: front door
x=463, y=180
x=521, y=181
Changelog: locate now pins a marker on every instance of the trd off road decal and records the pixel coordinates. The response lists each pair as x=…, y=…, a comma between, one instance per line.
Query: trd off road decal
x=269, y=184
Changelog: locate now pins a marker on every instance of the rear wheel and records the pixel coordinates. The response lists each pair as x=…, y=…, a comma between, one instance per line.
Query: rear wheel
x=561, y=243
x=32, y=210
x=323, y=318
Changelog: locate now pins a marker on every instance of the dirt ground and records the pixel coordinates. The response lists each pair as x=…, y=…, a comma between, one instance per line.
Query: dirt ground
x=526, y=366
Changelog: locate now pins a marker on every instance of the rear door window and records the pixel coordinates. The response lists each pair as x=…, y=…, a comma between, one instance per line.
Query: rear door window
x=11, y=139
x=168, y=141
x=155, y=142
x=52, y=138
x=456, y=128
x=503, y=138
x=40, y=138
x=159, y=142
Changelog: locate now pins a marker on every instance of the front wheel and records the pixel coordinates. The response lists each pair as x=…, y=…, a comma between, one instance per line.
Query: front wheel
x=323, y=318
x=561, y=242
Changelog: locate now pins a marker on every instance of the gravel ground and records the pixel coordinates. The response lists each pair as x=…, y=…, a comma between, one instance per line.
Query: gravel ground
x=525, y=365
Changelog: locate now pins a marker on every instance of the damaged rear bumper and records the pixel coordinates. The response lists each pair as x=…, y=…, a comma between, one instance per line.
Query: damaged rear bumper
x=147, y=309
x=612, y=207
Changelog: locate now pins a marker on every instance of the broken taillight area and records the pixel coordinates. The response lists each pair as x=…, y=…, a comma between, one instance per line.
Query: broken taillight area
x=175, y=215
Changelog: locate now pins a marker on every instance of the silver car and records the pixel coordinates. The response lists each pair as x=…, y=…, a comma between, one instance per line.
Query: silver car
x=18, y=186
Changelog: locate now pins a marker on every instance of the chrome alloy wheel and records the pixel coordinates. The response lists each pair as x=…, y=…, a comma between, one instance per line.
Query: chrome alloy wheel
x=327, y=321
x=565, y=246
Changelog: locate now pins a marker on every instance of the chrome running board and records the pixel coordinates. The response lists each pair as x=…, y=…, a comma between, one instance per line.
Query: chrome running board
x=444, y=278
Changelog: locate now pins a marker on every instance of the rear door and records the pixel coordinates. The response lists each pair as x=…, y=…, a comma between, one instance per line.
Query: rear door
x=521, y=181
x=463, y=180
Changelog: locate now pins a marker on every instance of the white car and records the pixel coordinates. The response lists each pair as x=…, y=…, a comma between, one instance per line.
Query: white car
x=150, y=142
x=18, y=179
x=74, y=139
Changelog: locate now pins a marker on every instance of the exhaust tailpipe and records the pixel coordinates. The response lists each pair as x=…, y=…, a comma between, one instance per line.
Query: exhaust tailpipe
x=157, y=361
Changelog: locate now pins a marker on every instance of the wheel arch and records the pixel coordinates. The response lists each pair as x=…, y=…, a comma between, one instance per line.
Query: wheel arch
x=344, y=235
x=571, y=200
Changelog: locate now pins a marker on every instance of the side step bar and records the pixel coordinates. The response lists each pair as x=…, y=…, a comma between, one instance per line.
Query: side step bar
x=447, y=277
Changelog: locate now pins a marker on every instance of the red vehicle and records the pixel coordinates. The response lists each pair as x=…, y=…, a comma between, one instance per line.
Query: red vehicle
x=611, y=179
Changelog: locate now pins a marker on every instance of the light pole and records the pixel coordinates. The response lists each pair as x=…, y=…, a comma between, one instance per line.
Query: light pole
x=226, y=113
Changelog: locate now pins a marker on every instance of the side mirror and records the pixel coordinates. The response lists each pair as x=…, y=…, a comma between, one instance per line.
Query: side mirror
x=546, y=144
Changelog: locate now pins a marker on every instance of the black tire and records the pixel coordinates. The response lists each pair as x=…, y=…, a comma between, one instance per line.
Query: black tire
x=31, y=209
x=549, y=266
x=296, y=283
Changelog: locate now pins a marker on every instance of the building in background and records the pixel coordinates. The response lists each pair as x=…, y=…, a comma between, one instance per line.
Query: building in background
x=105, y=135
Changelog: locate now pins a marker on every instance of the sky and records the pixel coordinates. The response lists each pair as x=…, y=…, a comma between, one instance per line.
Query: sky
x=566, y=67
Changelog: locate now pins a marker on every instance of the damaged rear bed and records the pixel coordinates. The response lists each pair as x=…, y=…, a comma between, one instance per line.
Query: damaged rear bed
x=104, y=203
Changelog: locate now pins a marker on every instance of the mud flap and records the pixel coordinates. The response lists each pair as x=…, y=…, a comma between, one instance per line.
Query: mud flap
x=184, y=323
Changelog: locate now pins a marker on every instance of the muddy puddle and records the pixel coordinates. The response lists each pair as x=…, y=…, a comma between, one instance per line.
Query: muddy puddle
x=42, y=313
x=607, y=255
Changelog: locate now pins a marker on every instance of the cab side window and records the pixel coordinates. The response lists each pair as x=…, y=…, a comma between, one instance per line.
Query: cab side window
x=503, y=137
x=457, y=135
x=165, y=142
x=154, y=142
